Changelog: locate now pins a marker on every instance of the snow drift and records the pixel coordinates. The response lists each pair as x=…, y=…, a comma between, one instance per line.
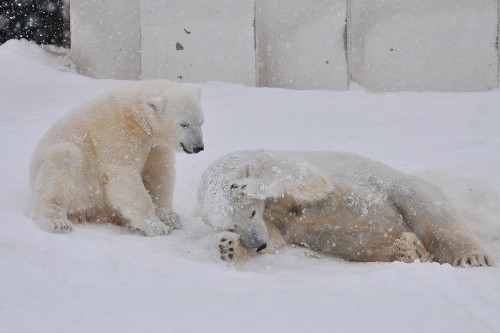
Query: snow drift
x=106, y=278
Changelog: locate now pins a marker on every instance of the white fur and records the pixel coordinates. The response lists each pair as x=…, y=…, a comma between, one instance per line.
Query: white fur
x=335, y=203
x=113, y=158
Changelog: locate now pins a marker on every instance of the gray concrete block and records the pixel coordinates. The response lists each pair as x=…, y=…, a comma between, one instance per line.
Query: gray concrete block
x=423, y=45
x=300, y=44
x=105, y=38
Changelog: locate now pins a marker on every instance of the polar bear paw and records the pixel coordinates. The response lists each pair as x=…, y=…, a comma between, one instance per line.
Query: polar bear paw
x=171, y=219
x=155, y=227
x=473, y=259
x=55, y=225
x=409, y=248
x=228, y=246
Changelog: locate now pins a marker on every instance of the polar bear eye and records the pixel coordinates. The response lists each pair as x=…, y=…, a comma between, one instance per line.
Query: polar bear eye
x=184, y=125
x=253, y=214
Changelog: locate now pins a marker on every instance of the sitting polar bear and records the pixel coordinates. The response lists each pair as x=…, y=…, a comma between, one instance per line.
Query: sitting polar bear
x=112, y=159
x=333, y=203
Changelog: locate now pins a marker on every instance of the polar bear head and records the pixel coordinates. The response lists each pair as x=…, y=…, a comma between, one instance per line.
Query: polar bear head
x=247, y=220
x=178, y=117
x=238, y=204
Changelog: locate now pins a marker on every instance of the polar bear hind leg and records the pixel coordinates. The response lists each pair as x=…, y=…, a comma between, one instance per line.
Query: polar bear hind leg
x=431, y=218
x=409, y=248
x=58, y=178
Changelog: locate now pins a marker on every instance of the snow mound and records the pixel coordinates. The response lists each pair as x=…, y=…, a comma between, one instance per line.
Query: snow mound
x=124, y=282
x=51, y=56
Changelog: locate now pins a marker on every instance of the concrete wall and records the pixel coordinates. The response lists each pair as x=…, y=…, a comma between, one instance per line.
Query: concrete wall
x=106, y=38
x=439, y=45
x=198, y=41
x=300, y=44
x=390, y=45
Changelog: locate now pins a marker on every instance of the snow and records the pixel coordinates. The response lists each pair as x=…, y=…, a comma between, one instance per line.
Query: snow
x=104, y=278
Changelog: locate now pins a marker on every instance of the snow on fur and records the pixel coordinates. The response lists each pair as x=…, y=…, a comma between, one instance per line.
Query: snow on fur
x=335, y=203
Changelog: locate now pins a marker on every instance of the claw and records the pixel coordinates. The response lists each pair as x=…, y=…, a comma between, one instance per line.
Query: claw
x=473, y=260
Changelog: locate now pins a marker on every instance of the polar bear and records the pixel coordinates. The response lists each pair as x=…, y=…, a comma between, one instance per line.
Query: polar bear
x=112, y=159
x=335, y=203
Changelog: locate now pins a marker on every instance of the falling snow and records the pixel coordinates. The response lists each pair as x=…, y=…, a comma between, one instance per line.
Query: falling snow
x=106, y=278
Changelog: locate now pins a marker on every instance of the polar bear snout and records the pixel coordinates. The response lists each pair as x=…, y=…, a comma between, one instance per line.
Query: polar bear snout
x=191, y=136
x=262, y=247
x=254, y=236
x=196, y=150
x=192, y=149
x=256, y=244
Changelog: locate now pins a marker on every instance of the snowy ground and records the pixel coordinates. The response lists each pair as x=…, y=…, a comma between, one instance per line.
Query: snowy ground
x=103, y=278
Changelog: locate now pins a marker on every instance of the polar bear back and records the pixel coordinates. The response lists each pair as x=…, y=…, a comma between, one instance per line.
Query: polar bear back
x=84, y=125
x=338, y=167
x=366, y=179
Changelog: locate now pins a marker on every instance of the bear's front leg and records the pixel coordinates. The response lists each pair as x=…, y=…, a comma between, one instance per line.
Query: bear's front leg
x=169, y=217
x=228, y=247
x=127, y=195
x=159, y=178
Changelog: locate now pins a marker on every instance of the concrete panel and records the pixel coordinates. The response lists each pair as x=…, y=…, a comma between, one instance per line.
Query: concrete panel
x=301, y=44
x=105, y=38
x=423, y=45
x=154, y=51
x=199, y=41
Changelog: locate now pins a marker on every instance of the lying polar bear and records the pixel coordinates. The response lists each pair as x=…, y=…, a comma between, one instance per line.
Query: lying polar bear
x=333, y=203
x=112, y=159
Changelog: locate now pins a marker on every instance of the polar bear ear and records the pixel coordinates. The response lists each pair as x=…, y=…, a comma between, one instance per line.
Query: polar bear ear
x=244, y=185
x=248, y=187
x=155, y=103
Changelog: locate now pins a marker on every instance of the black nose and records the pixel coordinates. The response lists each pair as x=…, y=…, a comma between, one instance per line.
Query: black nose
x=198, y=149
x=262, y=247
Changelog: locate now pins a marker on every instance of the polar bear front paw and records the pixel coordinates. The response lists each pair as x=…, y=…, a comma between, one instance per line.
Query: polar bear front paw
x=155, y=227
x=473, y=259
x=228, y=247
x=409, y=248
x=170, y=218
x=226, y=243
x=55, y=225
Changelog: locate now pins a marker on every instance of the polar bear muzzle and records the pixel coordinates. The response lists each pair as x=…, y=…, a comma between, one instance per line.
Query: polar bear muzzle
x=191, y=139
x=194, y=150
x=253, y=233
x=262, y=247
